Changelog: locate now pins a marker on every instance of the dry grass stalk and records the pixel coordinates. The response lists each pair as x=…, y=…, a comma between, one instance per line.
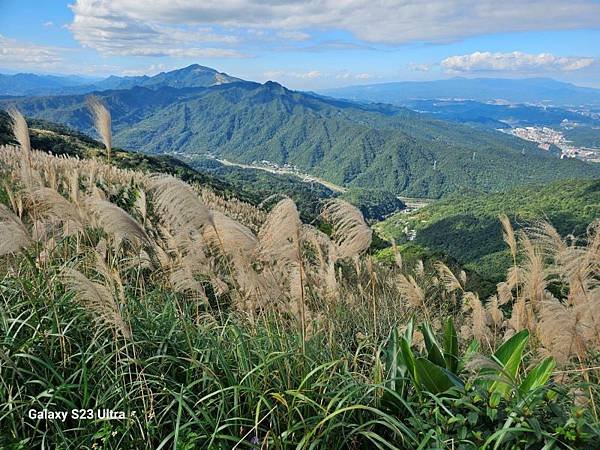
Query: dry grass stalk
x=98, y=299
x=351, y=234
x=102, y=122
x=178, y=204
x=409, y=289
x=449, y=280
x=118, y=223
x=50, y=205
x=14, y=236
x=508, y=234
x=280, y=246
x=20, y=130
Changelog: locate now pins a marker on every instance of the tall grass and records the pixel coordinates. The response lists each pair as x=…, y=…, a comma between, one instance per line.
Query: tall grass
x=211, y=324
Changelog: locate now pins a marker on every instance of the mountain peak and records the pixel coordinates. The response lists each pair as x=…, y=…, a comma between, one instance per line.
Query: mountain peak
x=195, y=67
x=274, y=86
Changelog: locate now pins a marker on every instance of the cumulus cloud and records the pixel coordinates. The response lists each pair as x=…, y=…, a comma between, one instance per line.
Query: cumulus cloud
x=23, y=55
x=98, y=25
x=516, y=62
x=113, y=25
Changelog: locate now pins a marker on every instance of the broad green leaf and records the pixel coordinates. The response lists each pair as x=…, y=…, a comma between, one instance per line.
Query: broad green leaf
x=509, y=357
x=409, y=360
x=433, y=378
x=451, y=347
x=538, y=376
x=506, y=351
x=434, y=352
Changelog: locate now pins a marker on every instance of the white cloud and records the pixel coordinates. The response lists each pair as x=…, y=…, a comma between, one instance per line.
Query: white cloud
x=346, y=75
x=516, y=62
x=115, y=25
x=98, y=25
x=415, y=67
x=22, y=55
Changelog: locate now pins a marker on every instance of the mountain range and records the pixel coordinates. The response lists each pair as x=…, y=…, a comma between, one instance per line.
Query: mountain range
x=529, y=90
x=32, y=84
x=350, y=144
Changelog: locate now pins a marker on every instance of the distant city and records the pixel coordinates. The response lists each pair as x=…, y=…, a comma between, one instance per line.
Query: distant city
x=546, y=137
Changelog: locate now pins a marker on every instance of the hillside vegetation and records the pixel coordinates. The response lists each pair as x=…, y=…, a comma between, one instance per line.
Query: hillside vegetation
x=252, y=186
x=204, y=323
x=467, y=227
x=376, y=146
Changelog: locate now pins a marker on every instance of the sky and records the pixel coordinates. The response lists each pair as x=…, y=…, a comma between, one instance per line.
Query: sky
x=312, y=44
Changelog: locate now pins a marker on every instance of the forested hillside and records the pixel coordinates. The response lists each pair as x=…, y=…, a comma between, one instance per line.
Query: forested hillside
x=468, y=228
x=253, y=186
x=375, y=146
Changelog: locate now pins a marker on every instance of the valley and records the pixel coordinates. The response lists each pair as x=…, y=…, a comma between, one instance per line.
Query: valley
x=274, y=168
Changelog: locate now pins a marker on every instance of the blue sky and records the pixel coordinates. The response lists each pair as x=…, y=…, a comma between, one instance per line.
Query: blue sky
x=306, y=44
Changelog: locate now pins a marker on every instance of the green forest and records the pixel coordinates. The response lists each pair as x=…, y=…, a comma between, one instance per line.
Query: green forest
x=363, y=146
x=467, y=227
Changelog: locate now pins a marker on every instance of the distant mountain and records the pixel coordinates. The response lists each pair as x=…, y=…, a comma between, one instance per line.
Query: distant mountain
x=500, y=115
x=366, y=146
x=29, y=83
x=191, y=76
x=529, y=90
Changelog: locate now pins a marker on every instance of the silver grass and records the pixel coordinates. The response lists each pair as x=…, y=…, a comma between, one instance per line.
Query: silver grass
x=279, y=235
x=351, y=234
x=479, y=318
x=178, y=204
x=508, y=235
x=279, y=244
x=49, y=204
x=229, y=235
x=533, y=271
x=102, y=122
x=20, y=129
x=141, y=204
x=13, y=234
x=98, y=299
x=183, y=281
x=449, y=280
x=494, y=312
x=410, y=290
x=118, y=223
